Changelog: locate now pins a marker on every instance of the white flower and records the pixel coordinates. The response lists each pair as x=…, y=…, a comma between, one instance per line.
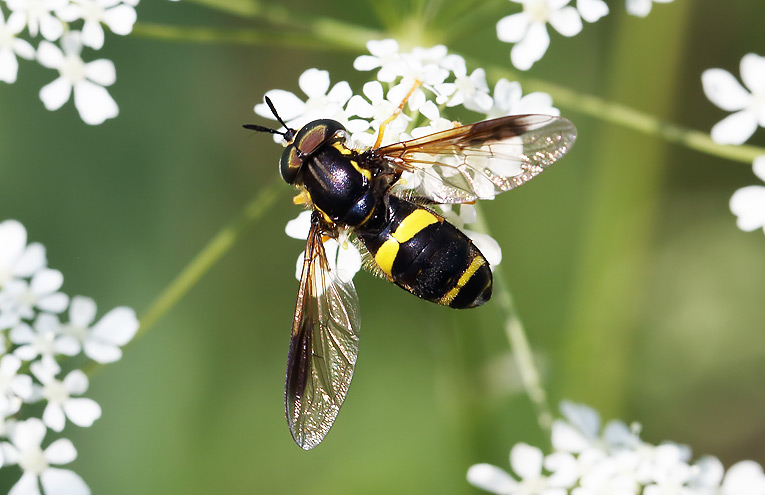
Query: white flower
x=470, y=91
x=26, y=450
x=58, y=394
x=377, y=110
x=22, y=298
x=510, y=100
x=343, y=257
x=320, y=104
x=591, y=10
x=528, y=29
x=642, y=8
x=581, y=430
x=745, y=477
x=384, y=56
x=749, y=106
x=17, y=260
x=14, y=388
x=119, y=18
x=669, y=473
x=527, y=462
x=45, y=340
x=748, y=203
x=38, y=15
x=11, y=46
x=91, y=98
x=102, y=342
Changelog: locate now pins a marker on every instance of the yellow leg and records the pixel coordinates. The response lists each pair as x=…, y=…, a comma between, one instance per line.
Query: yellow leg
x=381, y=131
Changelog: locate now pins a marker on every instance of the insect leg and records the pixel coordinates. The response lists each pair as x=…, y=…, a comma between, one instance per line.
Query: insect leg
x=381, y=131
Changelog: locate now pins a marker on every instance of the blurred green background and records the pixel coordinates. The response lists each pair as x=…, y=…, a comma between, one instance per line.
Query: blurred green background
x=640, y=296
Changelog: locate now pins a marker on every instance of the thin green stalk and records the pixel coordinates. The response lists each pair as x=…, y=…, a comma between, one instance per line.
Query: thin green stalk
x=216, y=247
x=209, y=255
x=519, y=343
x=625, y=116
x=324, y=29
x=248, y=36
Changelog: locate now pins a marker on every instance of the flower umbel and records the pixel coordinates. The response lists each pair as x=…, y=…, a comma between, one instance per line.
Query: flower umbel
x=528, y=29
x=614, y=461
x=30, y=304
x=748, y=105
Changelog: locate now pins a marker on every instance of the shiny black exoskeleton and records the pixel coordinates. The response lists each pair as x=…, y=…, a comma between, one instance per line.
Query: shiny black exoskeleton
x=413, y=246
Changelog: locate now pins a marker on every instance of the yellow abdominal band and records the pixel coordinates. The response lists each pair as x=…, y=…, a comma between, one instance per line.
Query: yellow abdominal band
x=408, y=228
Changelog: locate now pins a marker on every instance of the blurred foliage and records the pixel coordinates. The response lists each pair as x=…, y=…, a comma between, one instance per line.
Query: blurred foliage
x=640, y=295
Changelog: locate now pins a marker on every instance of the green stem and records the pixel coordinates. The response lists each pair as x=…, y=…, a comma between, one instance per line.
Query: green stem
x=632, y=119
x=323, y=29
x=519, y=343
x=204, y=260
x=250, y=36
x=209, y=255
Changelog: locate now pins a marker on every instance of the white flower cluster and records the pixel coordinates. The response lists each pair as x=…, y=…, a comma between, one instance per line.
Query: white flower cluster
x=748, y=107
x=528, y=28
x=614, y=461
x=33, y=341
x=72, y=24
x=432, y=81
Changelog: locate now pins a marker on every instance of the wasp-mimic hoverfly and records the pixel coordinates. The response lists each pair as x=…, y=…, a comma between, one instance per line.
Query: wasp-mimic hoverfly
x=409, y=244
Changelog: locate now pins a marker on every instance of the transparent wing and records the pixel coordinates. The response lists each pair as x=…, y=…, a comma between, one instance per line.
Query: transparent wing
x=323, y=346
x=480, y=160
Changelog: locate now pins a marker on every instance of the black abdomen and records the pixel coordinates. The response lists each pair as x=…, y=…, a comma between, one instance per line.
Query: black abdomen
x=421, y=252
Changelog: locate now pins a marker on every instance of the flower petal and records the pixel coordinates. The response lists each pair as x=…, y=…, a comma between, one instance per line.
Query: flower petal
x=724, y=90
x=120, y=19
x=13, y=240
x=491, y=478
x=753, y=73
x=735, y=128
x=101, y=352
x=28, y=434
x=47, y=281
x=314, y=83
x=512, y=28
x=27, y=485
x=53, y=416
x=82, y=311
x=94, y=103
x=9, y=66
x=531, y=48
x=287, y=104
x=298, y=228
x=82, y=412
x=76, y=382
x=55, y=94
x=117, y=326
x=758, y=166
x=592, y=10
x=63, y=482
x=101, y=72
x=31, y=261
x=526, y=461
x=566, y=21
x=61, y=451
x=748, y=204
x=93, y=35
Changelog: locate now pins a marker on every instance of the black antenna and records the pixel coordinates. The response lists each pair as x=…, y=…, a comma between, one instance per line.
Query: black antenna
x=288, y=134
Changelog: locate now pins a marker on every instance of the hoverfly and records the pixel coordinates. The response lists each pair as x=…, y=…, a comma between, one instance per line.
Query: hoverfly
x=409, y=244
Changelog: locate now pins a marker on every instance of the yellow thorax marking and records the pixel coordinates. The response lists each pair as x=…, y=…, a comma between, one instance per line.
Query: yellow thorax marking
x=343, y=149
x=302, y=198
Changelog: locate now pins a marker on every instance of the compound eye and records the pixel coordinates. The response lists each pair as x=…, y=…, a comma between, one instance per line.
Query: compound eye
x=290, y=164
